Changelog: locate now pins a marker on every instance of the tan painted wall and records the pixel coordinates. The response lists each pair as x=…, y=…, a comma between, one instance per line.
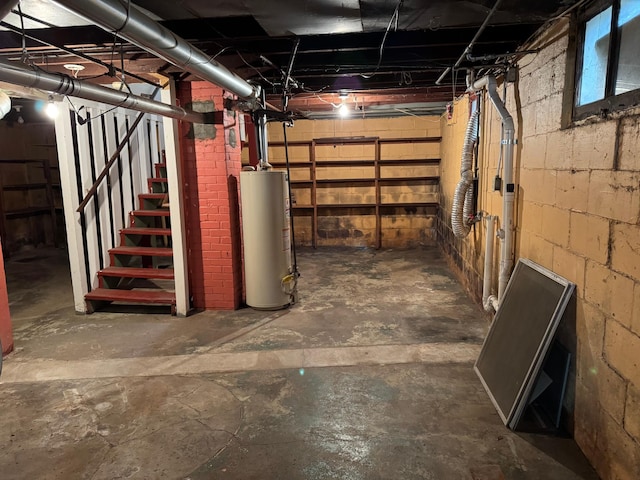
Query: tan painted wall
x=578, y=214
x=356, y=227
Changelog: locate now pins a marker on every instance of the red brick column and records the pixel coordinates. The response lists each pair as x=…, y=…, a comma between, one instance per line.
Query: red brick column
x=211, y=159
x=6, y=334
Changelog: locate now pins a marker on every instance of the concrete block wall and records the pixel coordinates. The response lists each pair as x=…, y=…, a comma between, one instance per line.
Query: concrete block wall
x=212, y=164
x=578, y=214
x=356, y=227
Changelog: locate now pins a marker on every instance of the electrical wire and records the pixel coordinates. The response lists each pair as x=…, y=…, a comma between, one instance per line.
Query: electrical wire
x=394, y=19
x=24, y=57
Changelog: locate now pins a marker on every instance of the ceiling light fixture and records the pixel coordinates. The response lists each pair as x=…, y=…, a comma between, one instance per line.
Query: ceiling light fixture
x=344, y=110
x=343, y=95
x=74, y=68
x=51, y=109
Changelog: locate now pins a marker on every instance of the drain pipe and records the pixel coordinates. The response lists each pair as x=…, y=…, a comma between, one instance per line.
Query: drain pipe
x=508, y=140
x=133, y=25
x=20, y=74
x=489, y=302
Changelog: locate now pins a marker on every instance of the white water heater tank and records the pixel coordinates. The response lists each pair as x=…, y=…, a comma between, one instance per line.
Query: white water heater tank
x=266, y=237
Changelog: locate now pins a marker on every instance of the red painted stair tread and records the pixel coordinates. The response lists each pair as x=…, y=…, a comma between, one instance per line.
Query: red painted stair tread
x=146, y=231
x=131, y=272
x=134, y=296
x=153, y=196
x=150, y=213
x=144, y=251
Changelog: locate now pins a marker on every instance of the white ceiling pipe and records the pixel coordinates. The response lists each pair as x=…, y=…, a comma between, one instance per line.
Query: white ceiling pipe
x=136, y=27
x=20, y=74
x=508, y=140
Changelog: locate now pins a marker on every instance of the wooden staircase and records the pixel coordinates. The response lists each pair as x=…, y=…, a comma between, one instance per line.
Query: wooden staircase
x=141, y=268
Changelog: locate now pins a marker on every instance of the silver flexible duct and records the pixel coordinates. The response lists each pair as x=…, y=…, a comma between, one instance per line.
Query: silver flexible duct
x=20, y=74
x=462, y=209
x=135, y=26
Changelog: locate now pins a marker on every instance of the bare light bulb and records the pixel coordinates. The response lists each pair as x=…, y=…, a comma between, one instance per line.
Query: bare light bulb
x=51, y=109
x=343, y=110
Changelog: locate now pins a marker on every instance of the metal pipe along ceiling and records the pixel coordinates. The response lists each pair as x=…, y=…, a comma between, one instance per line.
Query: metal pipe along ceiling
x=136, y=27
x=20, y=74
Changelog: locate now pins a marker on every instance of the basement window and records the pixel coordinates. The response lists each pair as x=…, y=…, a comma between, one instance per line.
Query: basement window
x=608, y=64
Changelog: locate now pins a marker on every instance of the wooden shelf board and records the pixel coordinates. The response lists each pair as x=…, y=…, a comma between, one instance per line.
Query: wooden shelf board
x=346, y=180
x=24, y=186
x=411, y=204
x=408, y=179
x=344, y=163
x=344, y=140
x=27, y=212
x=346, y=205
x=409, y=162
x=411, y=140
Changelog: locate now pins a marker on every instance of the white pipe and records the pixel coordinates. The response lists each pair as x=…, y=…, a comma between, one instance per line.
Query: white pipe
x=508, y=141
x=20, y=74
x=489, y=302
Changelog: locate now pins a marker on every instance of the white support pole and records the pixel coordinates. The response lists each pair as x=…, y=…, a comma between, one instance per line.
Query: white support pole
x=70, y=202
x=174, y=179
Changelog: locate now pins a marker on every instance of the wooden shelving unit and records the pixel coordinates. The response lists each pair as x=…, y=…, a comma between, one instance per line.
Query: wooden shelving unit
x=377, y=180
x=31, y=196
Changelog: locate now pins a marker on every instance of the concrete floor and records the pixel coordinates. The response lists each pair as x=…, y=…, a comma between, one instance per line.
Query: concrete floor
x=369, y=376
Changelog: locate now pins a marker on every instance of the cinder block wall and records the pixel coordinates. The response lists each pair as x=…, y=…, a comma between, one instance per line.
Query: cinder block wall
x=356, y=227
x=577, y=213
x=211, y=169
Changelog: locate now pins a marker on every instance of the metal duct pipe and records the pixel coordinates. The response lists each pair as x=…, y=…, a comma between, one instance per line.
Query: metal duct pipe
x=508, y=140
x=462, y=209
x=20, y=74
x=136, y=27
x=7, y=7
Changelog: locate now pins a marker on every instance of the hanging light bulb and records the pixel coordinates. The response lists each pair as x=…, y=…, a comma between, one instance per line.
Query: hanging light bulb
x=51, y=109
x=344, y=110
x=5, y=104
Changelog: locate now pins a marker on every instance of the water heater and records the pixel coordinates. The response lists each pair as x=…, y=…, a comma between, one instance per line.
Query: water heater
x=266, y=237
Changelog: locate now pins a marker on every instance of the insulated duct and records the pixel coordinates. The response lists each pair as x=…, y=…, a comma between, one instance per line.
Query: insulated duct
x=462, y=211
x=20, y=74
x=133, y=25
x=508, y=198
